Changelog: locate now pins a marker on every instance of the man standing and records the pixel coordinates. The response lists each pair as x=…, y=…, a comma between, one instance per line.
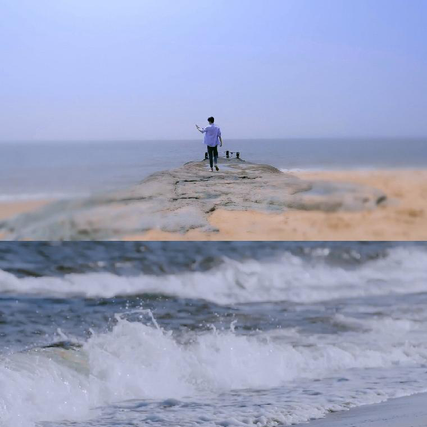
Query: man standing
x=212, y=140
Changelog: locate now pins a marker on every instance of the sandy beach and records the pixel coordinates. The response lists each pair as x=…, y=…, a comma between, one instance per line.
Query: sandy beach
x=403, y=217
x=10, y=209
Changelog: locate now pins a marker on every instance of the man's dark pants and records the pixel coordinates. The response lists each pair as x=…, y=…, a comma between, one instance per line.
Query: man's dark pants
x=213, y=155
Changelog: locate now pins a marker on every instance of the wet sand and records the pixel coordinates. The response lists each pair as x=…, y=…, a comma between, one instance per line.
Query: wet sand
x=403, y=217
x=402, y=412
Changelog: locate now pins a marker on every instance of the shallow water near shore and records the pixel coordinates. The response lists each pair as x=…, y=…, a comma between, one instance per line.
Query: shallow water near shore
x=211, y=334
x=51, y=170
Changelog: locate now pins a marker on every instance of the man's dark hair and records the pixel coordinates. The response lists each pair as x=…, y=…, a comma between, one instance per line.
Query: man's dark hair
x=211, y=120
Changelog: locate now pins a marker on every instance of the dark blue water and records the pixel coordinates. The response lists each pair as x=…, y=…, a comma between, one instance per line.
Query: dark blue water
x=40, y=170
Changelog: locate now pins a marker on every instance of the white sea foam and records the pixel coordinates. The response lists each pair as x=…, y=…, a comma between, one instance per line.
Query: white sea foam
x=136, y=361
x=287, y=278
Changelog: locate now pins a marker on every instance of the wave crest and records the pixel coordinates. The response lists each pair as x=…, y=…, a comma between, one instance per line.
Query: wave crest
x=287, y=278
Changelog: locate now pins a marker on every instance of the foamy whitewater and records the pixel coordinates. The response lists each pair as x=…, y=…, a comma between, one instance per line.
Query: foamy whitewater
x=217, y=335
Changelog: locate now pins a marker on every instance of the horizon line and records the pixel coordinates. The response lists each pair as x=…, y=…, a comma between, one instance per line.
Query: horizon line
x=97, y=140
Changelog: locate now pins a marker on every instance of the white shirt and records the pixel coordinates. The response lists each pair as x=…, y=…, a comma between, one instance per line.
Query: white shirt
x=212, y=134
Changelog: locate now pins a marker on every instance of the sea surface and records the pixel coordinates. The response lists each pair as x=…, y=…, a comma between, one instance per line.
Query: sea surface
x=37, y=170
x=207, y=334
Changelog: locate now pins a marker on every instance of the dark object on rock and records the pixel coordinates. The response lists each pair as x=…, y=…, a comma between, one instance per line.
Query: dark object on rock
x=381, y=199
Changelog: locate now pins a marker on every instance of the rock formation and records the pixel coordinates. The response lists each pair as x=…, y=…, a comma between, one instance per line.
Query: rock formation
x=182, y=199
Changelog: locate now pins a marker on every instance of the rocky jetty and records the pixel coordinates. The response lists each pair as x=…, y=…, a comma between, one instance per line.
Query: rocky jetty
x=181, y=199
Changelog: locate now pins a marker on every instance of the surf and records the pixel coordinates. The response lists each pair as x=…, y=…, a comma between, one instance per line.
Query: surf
x=140, y=360
x=286, y=277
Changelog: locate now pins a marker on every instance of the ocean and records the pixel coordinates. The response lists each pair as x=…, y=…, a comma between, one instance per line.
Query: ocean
x=207, y=334
x=37, y=170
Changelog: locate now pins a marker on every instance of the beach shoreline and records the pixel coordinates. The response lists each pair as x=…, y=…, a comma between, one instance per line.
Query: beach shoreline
x=402, y=217
x=409, y=411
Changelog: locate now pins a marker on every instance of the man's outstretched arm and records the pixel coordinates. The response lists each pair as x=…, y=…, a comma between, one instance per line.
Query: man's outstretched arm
x=201, y=130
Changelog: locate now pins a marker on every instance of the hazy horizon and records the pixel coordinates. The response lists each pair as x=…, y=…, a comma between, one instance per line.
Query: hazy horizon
x=281, y=69
x=195, y=139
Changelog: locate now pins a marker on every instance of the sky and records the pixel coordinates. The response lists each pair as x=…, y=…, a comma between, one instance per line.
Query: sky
x=151, y=69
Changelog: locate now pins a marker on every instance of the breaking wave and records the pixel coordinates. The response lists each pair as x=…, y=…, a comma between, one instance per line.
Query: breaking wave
x=286, y=278
x=139, y=361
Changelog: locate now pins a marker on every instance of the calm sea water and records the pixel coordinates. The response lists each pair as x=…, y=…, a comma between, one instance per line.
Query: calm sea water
x=219, y=334
x=44, y=170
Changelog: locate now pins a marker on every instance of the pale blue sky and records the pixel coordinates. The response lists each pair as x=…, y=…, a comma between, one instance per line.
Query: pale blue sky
x=148, y=69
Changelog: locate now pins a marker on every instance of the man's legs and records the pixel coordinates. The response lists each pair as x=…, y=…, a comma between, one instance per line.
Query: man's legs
x=215, y=152
x=211, y=154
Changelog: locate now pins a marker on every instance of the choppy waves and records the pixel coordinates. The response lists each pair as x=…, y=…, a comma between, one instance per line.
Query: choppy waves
x=141, y=361
x=131, y=370
x=286, y=278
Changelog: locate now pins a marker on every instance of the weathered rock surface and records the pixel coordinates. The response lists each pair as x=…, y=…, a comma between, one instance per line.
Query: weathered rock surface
x=181, y=199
